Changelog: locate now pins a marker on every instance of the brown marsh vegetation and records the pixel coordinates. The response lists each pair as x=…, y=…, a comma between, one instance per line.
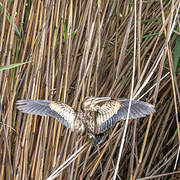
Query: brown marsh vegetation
x=79, y=48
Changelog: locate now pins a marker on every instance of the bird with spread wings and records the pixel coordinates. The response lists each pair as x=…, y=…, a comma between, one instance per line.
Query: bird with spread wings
x=97, y=114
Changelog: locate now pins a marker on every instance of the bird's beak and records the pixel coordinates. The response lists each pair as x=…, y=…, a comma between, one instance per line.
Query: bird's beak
x=101, y=99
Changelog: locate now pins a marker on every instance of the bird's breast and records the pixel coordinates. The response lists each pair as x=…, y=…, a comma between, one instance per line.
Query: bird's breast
x=89, y=121
x=78, y=123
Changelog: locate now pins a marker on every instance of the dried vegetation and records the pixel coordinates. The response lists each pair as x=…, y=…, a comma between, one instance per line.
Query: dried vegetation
x=81, y=48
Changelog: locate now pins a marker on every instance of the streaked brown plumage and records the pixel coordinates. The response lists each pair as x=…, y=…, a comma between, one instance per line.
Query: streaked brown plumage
x=95, y=117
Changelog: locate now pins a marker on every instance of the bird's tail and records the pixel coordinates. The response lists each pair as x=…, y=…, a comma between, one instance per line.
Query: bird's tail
x=98, y=138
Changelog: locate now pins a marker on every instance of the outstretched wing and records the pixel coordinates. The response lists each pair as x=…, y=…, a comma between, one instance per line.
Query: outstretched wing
x=113, y=111
x=64, y=113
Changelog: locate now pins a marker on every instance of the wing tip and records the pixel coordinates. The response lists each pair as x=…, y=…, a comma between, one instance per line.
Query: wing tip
x=151, y=108
x=21, y=101
x=41, y=108
x=34, y=107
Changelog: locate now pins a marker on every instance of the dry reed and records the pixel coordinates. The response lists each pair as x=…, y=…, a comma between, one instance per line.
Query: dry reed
x=81, y=48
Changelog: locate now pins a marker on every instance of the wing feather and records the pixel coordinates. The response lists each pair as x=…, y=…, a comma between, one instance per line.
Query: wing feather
x=113, y=111
x=64, y=113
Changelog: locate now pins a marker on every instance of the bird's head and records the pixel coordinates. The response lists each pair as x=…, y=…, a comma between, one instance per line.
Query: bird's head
x=91, y=103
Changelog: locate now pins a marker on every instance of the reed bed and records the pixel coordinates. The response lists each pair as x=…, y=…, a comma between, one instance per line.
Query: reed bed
x=75, y=49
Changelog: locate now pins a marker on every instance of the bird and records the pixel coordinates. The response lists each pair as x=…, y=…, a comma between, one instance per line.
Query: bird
x=96, y=115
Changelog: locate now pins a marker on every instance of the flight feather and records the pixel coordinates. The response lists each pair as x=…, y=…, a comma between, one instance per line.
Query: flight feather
x=113, y=111
x=64, y=113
